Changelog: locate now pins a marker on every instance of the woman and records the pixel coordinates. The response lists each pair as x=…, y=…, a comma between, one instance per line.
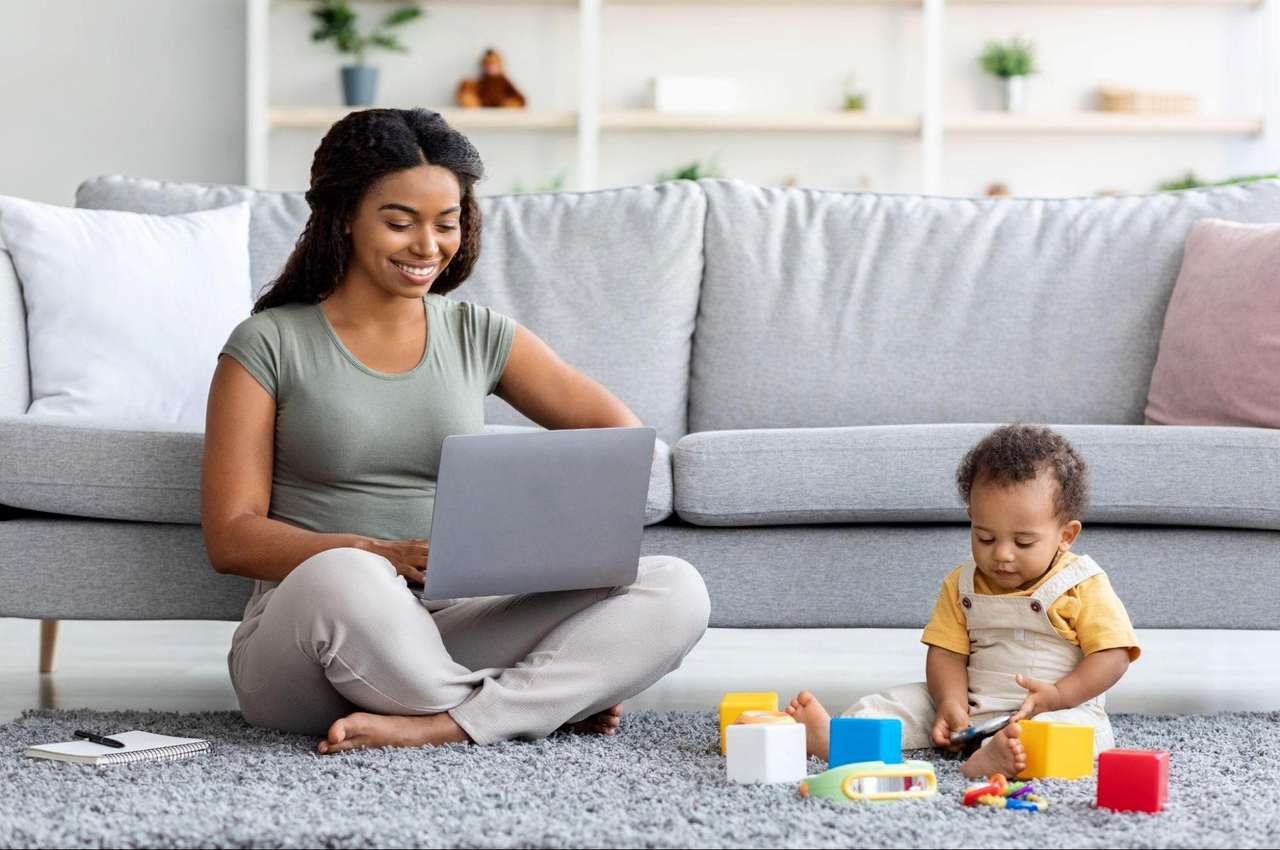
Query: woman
x=325, y=421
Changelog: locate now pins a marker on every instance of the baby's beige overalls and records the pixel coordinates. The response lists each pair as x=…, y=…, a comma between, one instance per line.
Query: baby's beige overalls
x=1008, y=635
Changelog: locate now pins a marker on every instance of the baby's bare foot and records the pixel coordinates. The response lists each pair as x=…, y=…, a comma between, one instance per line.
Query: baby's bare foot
x=362, y=730
x=601, y=723
x=806, y=709
x=1002, y=754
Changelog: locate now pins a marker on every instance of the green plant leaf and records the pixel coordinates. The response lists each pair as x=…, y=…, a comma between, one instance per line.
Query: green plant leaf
x=402, y=16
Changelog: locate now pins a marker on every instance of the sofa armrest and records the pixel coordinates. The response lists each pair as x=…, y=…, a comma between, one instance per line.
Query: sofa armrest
x=15, y=373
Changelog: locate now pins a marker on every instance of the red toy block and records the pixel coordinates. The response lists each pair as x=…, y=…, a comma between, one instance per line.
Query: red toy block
x=1133, y=780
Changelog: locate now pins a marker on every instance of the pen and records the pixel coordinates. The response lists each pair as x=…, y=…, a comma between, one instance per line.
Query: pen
x=98, y=739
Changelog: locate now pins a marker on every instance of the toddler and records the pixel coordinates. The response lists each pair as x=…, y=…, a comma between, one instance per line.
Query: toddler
x=1025, y=627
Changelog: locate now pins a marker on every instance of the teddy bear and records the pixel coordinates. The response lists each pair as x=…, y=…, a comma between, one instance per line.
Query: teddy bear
x=492, y=88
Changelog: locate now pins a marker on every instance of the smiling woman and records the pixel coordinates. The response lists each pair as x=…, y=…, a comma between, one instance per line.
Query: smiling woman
x=322, y=447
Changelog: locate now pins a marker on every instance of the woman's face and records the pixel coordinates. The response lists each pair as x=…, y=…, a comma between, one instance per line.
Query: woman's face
x=407, y=229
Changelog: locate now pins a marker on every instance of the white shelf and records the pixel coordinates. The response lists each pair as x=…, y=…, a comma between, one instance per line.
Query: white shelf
x=1103, y=122
x=849, y=122
x=321, y=117
x=590, y=121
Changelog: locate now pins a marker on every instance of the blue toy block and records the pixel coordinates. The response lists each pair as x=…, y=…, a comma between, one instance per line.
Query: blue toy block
x=855, y=739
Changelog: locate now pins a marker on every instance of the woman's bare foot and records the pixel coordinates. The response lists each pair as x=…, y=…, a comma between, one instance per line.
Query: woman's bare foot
x=602, y=723
x=362, y=730
x=806, y=709
x=1002, y=754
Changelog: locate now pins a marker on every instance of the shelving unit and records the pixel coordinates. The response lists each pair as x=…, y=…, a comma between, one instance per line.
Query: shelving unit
x=930, y=126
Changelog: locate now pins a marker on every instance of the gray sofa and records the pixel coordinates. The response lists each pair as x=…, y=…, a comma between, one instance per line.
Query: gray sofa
x=818, y=363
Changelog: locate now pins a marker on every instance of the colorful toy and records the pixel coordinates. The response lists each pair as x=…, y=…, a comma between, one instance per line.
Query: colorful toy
x=1056, y=750
x=864, y=739
x=873, y=780
x=982, y=730
x=1133, y=780
x=734, y=704
x=766, y=752
x=1000, y=793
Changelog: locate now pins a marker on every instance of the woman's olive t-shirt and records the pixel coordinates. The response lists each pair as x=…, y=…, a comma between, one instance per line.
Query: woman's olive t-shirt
x=358, y=450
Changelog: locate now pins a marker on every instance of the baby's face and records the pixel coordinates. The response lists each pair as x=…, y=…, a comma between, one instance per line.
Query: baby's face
x=1015, y=531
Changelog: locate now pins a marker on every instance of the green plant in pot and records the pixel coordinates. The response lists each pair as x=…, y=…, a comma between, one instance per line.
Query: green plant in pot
x=1012, y=62
x=337, y=21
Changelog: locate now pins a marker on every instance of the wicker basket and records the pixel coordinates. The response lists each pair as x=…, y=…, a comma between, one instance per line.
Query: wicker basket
x=1151, y=103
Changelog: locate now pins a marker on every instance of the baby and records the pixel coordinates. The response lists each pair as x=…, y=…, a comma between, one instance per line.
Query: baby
x=1026, y=627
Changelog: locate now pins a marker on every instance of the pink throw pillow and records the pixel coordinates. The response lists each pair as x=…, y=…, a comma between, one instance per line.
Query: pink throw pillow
x=1219, y=360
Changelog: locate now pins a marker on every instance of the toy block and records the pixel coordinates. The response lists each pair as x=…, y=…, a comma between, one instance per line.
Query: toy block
x=734, y=704
x=859, y=739
x=766, y=752
x=1133, y=780
x=1056, y=750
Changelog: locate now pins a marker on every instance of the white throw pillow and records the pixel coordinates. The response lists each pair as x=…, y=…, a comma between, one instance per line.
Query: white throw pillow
x=126, y=312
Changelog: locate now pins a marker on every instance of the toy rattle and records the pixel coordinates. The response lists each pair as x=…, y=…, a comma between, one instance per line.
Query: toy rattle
x=1000, y=793
x=873, y=780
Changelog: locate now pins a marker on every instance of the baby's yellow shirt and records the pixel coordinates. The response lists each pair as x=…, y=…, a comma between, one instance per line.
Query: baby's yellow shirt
x=1089, y=615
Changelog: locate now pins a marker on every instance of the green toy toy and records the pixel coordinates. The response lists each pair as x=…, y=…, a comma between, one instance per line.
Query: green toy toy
x=873, y=780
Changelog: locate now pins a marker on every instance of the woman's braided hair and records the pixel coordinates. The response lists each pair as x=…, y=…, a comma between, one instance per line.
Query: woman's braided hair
x=1015, y=453
x=356, y=153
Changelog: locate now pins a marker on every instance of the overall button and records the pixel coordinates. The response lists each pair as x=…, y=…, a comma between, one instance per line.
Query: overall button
x=966, y=603
x=1035, y=606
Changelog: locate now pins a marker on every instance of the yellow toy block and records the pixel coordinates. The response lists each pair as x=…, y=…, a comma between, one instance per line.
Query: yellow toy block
x=1056, y=750
x=734, y=704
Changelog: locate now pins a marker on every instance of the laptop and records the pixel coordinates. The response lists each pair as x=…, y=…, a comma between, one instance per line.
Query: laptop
x=538, y=511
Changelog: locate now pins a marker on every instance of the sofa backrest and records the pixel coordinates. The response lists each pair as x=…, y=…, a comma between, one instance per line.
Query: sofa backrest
x=823, y=308
x=609, y=279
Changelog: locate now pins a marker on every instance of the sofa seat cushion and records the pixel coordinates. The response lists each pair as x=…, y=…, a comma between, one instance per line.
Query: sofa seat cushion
x=1223, y=477
x=107, y=472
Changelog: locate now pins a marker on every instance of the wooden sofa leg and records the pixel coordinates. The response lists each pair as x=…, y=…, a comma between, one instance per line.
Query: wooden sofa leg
x=48, y=645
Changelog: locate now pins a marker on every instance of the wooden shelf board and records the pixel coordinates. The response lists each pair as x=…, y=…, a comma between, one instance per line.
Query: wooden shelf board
x=296, y=117
x=648, y=119
x=1102, y=122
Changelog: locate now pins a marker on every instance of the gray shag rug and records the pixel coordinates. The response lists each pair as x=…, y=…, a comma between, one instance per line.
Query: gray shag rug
x=660, y=783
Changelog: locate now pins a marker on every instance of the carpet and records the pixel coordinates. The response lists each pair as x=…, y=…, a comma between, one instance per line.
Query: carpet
x=660, y=783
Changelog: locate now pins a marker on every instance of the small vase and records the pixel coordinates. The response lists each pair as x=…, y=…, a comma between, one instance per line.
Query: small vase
x=359, y=84
x=1015, y=93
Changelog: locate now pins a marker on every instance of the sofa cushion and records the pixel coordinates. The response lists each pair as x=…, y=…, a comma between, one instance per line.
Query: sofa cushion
x=1226, y=477
x=827, y=309
x=105, y=472
x=609, y=279
x=1219, y=360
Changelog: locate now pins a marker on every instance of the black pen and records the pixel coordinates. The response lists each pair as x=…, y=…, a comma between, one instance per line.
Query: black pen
x=98, y=739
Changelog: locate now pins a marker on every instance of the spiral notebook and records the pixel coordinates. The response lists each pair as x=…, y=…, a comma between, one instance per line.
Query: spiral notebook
x=139, y=746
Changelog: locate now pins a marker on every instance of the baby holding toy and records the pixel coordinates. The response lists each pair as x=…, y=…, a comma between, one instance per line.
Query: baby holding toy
x=1025, y=627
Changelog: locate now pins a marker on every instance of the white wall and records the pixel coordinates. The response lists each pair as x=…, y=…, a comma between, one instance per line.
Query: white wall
x=153, y=88
x=156, y=88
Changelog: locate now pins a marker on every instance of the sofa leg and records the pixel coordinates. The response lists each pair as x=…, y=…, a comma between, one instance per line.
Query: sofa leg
x=48, y=645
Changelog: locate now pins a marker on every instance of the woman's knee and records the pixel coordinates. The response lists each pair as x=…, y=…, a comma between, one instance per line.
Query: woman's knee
x=329, y=577
x=685, y=603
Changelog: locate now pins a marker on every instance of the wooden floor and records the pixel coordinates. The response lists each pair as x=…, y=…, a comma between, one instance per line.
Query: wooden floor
x=181, y=665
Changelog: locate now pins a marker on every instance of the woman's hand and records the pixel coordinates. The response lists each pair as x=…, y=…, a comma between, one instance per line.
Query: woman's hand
x=409, y=557
x=952, y=717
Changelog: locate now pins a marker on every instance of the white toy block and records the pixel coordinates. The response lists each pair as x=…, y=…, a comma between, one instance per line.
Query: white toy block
x=766, y=753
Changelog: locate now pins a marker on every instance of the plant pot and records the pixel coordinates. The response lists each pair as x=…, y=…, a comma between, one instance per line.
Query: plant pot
x=359, y=84
x=1014, y=90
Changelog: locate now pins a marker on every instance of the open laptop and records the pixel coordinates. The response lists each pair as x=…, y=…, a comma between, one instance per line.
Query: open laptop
x=538, y=511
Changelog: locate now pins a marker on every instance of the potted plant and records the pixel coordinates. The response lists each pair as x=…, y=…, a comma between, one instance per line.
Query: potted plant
x=338, y=21
x=1011, y=62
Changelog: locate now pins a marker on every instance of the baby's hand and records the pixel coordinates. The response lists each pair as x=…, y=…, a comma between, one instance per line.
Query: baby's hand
x=1041, y=697
x=952, y=717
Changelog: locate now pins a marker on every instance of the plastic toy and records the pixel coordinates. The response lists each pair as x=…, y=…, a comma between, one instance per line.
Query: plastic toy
x=1000, y=793
x=765, y=717
x=766, y=752
x=734, y=704
x=873, y=780
x=1056, y=750
x=864, y=739
x=1133, y=780
x=982, y=730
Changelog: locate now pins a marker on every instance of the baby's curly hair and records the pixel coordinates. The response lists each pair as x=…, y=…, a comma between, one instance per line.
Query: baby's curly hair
x=1015, y=453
